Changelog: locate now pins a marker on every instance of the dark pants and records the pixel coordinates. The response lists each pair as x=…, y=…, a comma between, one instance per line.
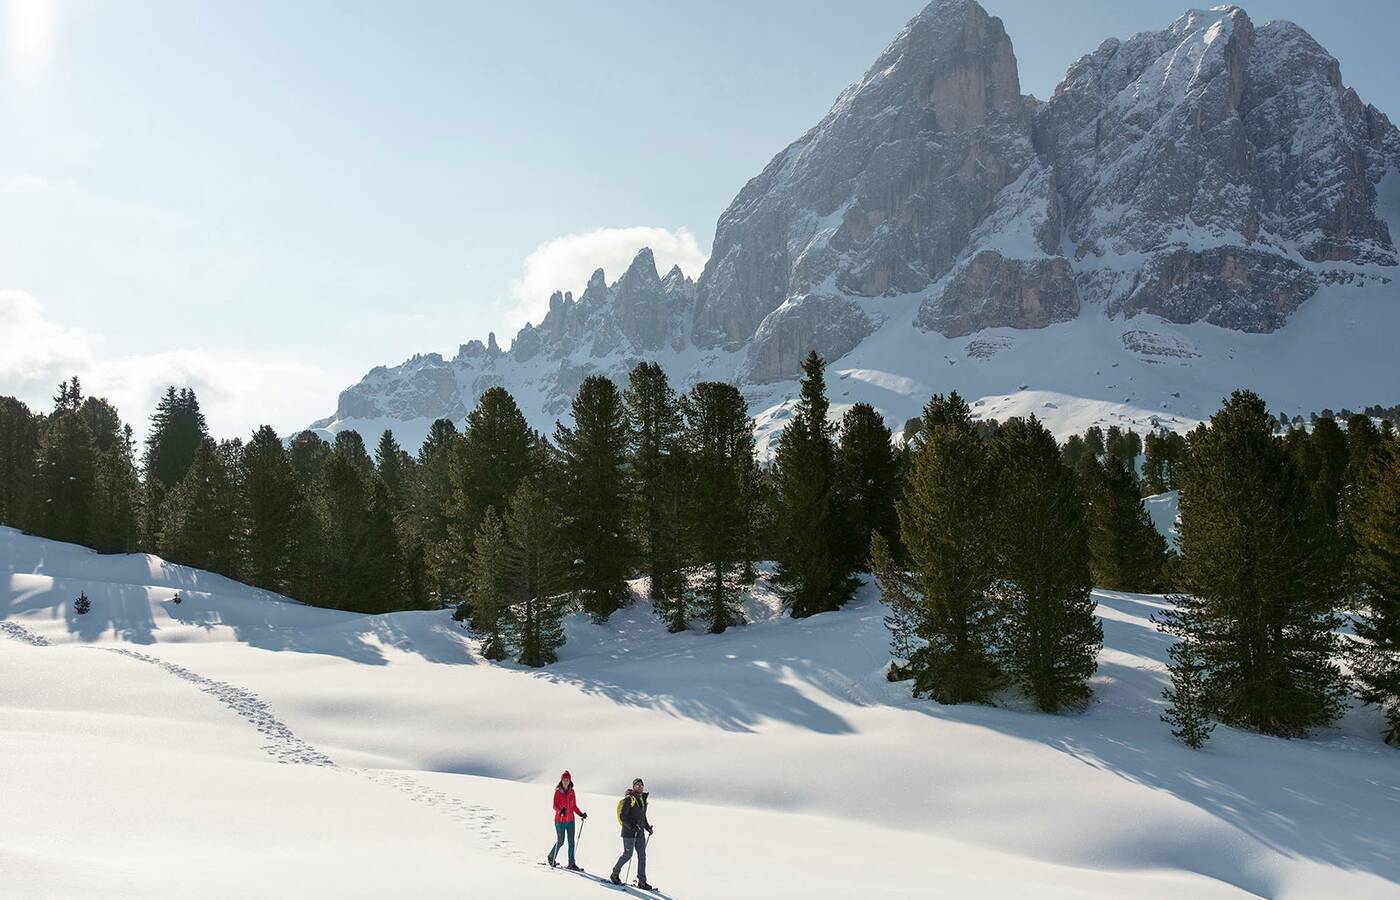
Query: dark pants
x=561, y=831
x=640, y=843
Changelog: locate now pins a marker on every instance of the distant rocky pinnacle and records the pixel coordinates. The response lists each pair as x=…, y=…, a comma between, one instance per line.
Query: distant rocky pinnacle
x=1214, y=171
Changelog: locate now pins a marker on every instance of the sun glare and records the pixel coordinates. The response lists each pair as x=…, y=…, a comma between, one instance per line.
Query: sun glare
x=29, y=32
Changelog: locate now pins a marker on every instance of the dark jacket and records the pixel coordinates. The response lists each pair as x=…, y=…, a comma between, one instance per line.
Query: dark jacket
x=634, y=813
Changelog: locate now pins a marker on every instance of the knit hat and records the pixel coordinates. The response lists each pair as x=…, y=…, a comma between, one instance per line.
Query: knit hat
x=566, y=775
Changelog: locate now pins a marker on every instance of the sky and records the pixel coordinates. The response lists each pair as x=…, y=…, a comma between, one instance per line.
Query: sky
x=263, y=200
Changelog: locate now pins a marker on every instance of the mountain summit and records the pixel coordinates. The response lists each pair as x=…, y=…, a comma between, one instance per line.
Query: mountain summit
x=1198, y=208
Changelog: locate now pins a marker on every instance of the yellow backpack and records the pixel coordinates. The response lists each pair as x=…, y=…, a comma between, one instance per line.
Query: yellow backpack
x=625, y=798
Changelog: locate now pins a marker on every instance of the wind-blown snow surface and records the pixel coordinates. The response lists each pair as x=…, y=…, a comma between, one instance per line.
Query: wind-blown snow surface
x=240, y=744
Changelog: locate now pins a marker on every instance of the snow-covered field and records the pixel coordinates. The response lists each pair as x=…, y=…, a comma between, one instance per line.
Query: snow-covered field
x=239, y=744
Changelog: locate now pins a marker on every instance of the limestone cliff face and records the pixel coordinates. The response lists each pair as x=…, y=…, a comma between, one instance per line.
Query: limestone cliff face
x=883, y=195
x=1214, y=155
x=1214, y=171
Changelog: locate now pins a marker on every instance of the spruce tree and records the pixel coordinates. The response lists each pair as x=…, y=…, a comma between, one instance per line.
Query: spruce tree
x=1050, y=637
x=1162, y=463
x=395, y=467
x=1376, y=658
x=488, y=585
x=1186, y=704
x=657, y=459
x=595, y=498
x=114, y=524
x=350, y=446
x=487, y=466
x=65, y=470
x=382, y=583
x=177, y=429
x=945, y=519
x=538, y=577
x=1259, y=585
x=720, y=445
x=199, y=525
x=269, y=504
x=19, y=451
x=815, y=566
x=342, y=503
x=431, y=498
x=1127, y=553
x=868, y=478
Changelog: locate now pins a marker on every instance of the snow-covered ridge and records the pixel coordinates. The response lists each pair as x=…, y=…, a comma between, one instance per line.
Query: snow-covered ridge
x=1206, y=187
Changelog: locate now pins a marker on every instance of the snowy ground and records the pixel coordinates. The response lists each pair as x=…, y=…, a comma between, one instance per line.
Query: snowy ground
x=239, y=744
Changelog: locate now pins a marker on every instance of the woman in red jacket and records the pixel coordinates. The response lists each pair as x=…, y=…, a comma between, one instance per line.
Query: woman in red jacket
x=565, y=808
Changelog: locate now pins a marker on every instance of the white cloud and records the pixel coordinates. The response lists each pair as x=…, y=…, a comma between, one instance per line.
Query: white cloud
x=237, y=390
x=565, y=264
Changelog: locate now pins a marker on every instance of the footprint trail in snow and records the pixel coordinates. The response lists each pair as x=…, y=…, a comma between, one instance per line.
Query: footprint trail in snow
x=284, y=746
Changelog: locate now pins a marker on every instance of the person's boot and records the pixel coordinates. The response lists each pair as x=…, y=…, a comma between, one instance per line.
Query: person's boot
x=614, y=879
x=644, y=886
x=550, y=860
x=574, y=868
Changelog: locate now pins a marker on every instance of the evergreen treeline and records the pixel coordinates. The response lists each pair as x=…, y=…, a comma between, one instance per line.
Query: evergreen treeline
x=983, y=536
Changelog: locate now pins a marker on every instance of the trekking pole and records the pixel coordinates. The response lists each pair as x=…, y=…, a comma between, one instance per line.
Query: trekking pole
x=578, y=844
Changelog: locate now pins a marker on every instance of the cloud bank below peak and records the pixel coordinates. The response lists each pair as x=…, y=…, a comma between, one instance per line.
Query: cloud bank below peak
x=565, y=263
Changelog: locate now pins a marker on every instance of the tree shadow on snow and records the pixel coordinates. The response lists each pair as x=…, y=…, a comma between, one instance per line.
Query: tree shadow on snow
x=1331, y=798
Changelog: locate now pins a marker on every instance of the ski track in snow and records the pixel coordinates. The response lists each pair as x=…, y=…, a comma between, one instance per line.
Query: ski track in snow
x=20, y=633
x=284, y=746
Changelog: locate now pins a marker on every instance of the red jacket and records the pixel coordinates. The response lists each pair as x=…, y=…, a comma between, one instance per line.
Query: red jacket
x=565, y=806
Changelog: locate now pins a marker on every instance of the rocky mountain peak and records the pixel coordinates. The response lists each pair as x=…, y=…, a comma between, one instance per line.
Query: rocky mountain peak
x=1214, y=171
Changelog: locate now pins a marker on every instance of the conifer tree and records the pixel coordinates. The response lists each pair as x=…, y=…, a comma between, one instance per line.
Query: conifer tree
x=1376, y=658
x=945, y=520
x=1164, y=452
x=1186, y=705
x=595, y=497
x=307, y=453
x=382, y=585
x=814, y=565
x=488, y=585
x=395, y=467
x=1127, y=553
x=65, y=470
x=1050, y=638
x=177, y=429
x=657, y=459
x=19, y=449
x=868, y=479
x=350, y=446
x=538, y=577
x=269, y=506
x=115, y=517
x=1259, y=585
x=199, y=525
x=342, y=507
x=720, y=445
x=431, y=498
x=488, y=463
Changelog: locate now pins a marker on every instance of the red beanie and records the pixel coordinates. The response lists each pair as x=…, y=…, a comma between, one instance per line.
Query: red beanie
x=566, y=775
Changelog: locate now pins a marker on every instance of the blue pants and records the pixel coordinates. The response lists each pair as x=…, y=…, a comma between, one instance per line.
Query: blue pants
x=561, y=831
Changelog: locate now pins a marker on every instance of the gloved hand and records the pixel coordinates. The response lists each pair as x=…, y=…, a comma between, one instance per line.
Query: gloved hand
x=582, y=814
x=650, y=829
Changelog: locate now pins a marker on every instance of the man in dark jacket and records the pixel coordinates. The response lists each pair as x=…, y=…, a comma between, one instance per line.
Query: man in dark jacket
x=632, y=814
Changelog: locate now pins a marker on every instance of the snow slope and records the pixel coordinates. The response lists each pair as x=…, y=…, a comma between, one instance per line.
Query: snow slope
x=241, y=744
